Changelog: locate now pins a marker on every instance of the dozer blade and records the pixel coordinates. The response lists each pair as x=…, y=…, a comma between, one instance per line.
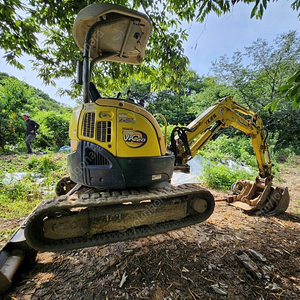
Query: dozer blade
x=11, y=256
x=259, y=197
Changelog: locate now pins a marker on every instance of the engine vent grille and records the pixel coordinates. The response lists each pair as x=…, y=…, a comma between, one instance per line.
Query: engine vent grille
x=89, y=125
x=93, y=158
x=104, y=131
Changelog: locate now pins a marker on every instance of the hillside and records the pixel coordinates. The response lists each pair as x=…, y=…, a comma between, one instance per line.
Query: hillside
x=39, y=100
x=18, y=97
x=204, y=261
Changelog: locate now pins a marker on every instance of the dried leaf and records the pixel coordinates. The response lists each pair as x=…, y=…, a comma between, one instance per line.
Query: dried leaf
x=124, y=277
x=217, y=289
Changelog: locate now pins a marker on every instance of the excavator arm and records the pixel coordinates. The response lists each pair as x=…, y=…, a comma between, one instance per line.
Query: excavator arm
x=222, y=114
x=259, y=195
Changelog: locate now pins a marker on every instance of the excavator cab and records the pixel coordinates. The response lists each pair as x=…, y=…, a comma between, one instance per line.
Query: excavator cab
x=115, y=142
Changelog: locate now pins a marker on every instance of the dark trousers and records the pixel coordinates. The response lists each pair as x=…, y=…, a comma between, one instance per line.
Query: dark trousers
x=28, y=141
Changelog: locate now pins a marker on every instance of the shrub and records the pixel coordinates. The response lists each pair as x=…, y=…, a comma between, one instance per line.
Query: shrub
x=19, y=198
x=222, y=177
x=283, y=155
x=44, y=164
x=238, y=148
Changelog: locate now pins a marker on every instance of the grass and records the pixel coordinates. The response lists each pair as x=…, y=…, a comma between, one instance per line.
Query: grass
x=221, y=177
x=5, y=234
x=20, y=197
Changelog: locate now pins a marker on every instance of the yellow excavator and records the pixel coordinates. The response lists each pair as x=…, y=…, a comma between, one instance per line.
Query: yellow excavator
x=120, y=164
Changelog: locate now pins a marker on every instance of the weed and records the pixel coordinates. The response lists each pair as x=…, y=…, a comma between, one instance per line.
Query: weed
x=222, y=177
x=5, y=234
x=237, y=148
x=19, y=198
x=285, y=155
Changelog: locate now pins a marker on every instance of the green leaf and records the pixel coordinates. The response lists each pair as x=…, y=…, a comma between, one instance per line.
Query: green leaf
x=285, y=87
x=295, y=104
x=293, y=78
x=261, y=11
x=274, y=104
x=265, y=4
x=297, y=79
x=294, y=91
x=253, y=12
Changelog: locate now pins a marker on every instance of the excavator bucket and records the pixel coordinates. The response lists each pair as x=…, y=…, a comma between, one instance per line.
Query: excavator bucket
x=259, y=197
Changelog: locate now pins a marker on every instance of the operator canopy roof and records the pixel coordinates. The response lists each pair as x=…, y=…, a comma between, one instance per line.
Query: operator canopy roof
x=120, y=31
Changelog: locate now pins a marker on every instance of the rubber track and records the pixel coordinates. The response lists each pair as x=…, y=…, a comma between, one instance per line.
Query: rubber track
x=34, y=232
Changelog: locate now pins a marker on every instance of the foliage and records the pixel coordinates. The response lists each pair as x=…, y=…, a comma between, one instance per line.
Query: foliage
x=23, y=21
x=54, y=130
x=17, y=97
x=44, y=164
x=17, y=199
x=291, y=90
x=20, y=197
x=211, y=92
x=257, y=85
x=269, y=68
x=283, y=155
x=174, y=105
x=222, y=177
x=14, y=96
x=237, y=148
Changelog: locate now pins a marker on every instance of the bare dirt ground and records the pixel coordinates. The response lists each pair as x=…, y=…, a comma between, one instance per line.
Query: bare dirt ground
x=230, y=256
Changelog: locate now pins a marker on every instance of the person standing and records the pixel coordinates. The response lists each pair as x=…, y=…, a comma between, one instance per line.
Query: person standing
x=31, y=128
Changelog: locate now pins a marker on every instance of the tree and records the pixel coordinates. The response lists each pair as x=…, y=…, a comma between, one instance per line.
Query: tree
x=268, y=69
x=54, y=130
x=257, y=84
x=14, y=96
x=211, y=92
x=175, y=105
x=23, y=21
x=291, y=90
x=17, y=97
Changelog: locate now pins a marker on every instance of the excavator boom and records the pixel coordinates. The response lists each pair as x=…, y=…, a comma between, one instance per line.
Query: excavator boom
x=259, y=196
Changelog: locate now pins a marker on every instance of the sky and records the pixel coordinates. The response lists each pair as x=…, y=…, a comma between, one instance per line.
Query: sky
x=207, y=41
x=226, y=34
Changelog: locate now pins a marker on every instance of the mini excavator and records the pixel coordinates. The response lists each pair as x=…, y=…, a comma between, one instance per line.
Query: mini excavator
x=120, y=166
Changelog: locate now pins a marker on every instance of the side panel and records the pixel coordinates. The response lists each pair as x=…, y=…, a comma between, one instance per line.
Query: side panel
x=123, y=129
x=73, y=133
x=135, y=117
x=97, y=124
x=136, y=135
x=117, y=144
